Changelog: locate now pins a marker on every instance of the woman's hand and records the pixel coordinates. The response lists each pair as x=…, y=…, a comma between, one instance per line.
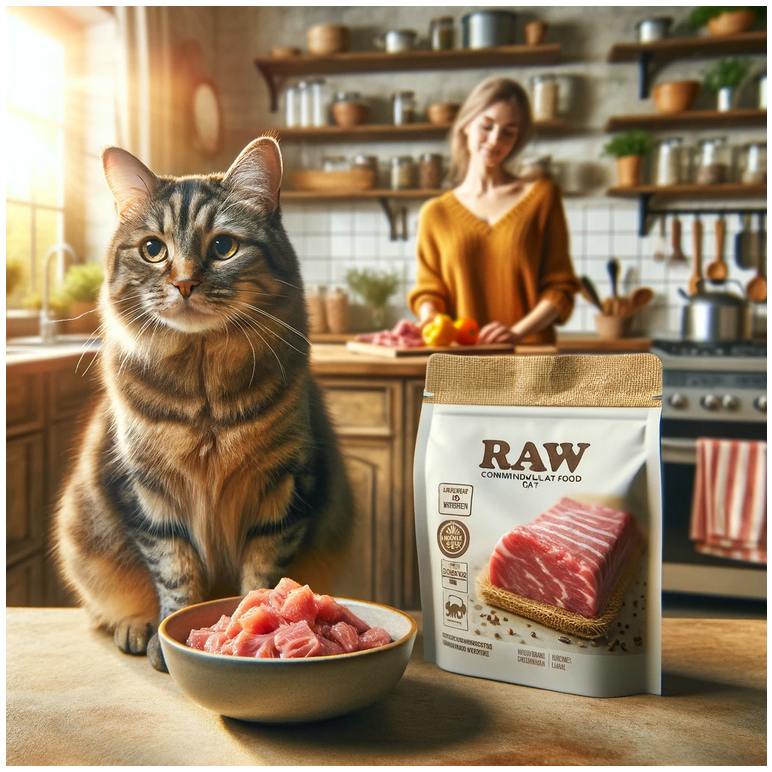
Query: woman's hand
x=496, y=332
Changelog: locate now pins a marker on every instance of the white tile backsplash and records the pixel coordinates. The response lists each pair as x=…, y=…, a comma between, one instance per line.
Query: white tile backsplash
x=330, y=239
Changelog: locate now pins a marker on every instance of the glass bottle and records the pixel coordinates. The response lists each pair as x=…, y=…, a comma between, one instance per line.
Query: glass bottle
x=402, y=172
x=304, y=100
x=669, y=161
x=317, y=94
x=291, y=106
x=545, y=97
x=429, y=171
x=754, y=163
x=441, y=33
x=712, y=164
x=403, y=105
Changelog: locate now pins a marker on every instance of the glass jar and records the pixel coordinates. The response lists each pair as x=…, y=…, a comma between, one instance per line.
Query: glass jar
x=763, y=91
x=545, y=97
x=335, y=163
x=429, y=171
x=754, y=163
x=291, y=106
x=669, y=162
x=317, y=96
x=349, y=109
x=403, y=107
x=369, y=162
x=441, y=33
x=402, y=172
x=712, y=162
x=304, y=102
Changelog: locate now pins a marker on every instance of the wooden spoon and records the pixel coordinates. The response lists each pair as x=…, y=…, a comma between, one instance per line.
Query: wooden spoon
x=757, y=286
x=678, y=256
x=696, y=276
x=641, y=297
x=589, y=293
x=717, y=270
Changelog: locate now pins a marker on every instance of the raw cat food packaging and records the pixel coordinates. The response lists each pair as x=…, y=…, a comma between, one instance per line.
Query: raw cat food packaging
x=539, y=520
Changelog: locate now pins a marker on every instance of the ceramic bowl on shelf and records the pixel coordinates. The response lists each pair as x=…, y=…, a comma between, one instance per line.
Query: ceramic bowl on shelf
x=327, y=39
x=350, y=113
x=342, y=180
x=285, y=691
x=732, y=22
x=442, y=112
x=284, y=52
x=676, y=96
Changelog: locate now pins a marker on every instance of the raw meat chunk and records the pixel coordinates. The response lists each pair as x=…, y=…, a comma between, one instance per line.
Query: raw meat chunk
x=299, y=605
x=373, y=638
x=215, y=642
x=297, y=640
x=261, y=619
x=246, y=645
x=268, y=650
x=198, y=638
x=329, y=610
x=345, y=636
x=570, y=556
x=222, y=625
x=252, y=599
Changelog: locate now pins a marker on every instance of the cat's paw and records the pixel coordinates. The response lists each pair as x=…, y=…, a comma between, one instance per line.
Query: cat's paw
x=155, y=655
x=131, y=636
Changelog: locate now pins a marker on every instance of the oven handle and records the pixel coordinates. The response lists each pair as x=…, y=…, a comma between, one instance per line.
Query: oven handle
x=679, y=451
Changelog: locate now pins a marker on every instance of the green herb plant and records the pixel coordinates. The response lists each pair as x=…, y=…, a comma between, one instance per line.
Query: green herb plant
x=58, y=301
x=635, y=142
x=702, y=14
x=375, y=288
x=83, y=282
x=14, y=273
x=727, y=73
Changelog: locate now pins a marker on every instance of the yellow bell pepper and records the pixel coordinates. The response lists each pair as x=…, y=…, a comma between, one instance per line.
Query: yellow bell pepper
x=440, y=331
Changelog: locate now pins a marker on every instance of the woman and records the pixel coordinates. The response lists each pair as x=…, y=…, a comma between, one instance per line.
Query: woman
x=495, y=248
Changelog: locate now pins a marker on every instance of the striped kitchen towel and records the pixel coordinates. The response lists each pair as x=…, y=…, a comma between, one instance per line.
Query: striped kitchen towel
x=729, y=507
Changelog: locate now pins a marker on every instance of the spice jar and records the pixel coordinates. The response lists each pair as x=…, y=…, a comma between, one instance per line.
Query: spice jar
x=669, y=161
x=304, y=104
x=317, y=310
x=317, y=95
x=712, y=164
x=402, y=172
x=754, y=164
x=365, y=162
x=429, y=171
x=545, y=97
x=291, y=106
x=337, y=308
x=762, y=91
x=403, y=107
x=335, y=163
x=441, y=33
x=349, y=109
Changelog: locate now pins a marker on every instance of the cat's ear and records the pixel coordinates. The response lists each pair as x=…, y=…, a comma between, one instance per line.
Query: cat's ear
x=257, y=173
x=130, y=181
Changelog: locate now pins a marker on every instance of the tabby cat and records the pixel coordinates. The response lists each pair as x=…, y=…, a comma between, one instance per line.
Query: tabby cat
x=210, y=464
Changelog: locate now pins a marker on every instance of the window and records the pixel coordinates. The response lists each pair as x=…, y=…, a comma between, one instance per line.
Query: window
x=34, y=152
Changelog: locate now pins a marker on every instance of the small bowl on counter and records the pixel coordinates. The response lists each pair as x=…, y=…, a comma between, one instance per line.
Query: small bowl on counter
x=285, y=691
x=676, y=96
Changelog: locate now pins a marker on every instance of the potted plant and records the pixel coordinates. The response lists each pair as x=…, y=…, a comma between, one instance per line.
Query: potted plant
x=375, y=288
x=727, y=20
x=629, y=149
x=81, y=287
x=724, y=78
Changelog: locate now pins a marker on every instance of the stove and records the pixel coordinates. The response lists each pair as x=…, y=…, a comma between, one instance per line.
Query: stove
x=708, y=390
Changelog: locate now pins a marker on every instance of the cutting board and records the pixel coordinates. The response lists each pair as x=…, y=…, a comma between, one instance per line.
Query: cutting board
x=424, y=351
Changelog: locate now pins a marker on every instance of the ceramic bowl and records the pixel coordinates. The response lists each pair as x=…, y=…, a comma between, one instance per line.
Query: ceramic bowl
x=285, y=691
x=676, y=96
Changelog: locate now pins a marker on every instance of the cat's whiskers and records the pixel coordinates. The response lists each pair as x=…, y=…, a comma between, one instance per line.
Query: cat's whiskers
x=274, y=333
x=130, y=351
x=250, y=322
x=275, y=318
x=254, y=355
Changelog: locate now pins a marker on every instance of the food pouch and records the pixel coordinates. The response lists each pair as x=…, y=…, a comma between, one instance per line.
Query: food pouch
x=539, y=520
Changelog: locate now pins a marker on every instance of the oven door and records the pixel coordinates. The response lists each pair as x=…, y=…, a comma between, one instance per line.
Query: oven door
x=685, y=570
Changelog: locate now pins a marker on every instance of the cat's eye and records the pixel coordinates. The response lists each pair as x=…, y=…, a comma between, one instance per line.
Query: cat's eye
x=223, y=247
x=153, y=250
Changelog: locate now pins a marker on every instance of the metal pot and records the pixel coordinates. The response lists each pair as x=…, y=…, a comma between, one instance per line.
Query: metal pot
x=484, y=29
x=396, y=41
x=715, y=317
x=651, y=30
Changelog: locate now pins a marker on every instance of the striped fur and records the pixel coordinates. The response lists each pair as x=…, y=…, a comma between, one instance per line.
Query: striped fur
x=210, y=465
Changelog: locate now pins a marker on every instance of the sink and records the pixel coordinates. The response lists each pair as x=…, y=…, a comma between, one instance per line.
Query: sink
x=33, y=342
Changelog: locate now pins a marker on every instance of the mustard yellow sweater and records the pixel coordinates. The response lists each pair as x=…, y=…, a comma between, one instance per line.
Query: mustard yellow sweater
x=496, y=272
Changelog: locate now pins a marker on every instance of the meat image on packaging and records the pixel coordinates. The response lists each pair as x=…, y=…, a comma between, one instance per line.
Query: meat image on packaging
x=290, y=621
x=570, y=556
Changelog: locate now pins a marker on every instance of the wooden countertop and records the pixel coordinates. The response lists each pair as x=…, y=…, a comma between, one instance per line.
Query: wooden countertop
x=73, y=699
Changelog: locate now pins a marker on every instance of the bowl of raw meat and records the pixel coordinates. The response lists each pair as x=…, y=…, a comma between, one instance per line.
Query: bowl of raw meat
x=287, y=654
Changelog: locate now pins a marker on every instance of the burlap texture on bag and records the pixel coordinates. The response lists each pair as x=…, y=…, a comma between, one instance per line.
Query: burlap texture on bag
x=558, y=618
x=592, y=380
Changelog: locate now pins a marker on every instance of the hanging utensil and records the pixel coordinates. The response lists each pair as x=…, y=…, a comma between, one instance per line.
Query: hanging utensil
x=743, y=244
x=612, y=305
x=641, y=297
x=757, y=286
x=660, y=247
x=718, y=270
x=589, y=293
x=696, y=276
x=677, y=256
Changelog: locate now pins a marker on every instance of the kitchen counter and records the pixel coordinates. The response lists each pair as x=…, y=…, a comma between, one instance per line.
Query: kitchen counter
x=73, y=699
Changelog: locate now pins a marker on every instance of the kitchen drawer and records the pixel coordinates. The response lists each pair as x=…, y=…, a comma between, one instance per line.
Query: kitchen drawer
x=24, y=583
x=24, y=495
x=23, y=403
x=69, y=392
x=361, y=408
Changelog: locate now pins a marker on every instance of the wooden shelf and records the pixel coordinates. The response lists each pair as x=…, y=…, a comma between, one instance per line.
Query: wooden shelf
x=691, y=119
x=373, y=61
x=382, y=132
x=684, y=48
x=729, y=190
x=328, y=195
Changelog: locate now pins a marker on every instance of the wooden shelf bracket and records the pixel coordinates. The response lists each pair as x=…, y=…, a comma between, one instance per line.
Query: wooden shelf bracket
x=645, y=73
x=270, y=81
x=397, y=216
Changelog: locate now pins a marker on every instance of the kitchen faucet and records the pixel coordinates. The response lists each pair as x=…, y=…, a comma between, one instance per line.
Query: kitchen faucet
x=47, y=329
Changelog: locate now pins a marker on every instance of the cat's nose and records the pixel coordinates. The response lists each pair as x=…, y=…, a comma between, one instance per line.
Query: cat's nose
x=185, y=286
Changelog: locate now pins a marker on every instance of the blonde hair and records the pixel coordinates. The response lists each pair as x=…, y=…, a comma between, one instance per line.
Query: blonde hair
x=482, y=97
